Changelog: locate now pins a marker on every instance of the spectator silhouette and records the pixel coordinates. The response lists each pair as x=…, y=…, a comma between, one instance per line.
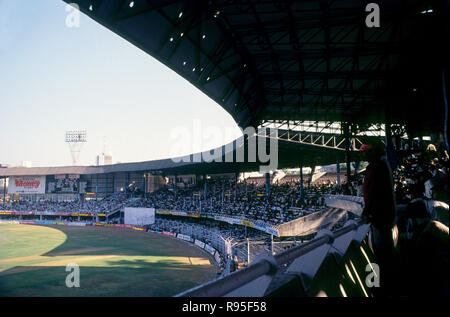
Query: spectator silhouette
x=426, y=255
x=380, y=211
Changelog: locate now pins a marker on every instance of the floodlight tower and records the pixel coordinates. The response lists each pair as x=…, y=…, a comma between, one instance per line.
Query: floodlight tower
x=75, y=139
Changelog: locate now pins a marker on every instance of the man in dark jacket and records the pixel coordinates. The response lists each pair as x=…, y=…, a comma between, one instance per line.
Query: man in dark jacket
x=378, y=188
x=380, y=211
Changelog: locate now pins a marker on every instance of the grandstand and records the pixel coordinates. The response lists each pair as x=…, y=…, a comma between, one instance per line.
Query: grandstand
x=305, y=68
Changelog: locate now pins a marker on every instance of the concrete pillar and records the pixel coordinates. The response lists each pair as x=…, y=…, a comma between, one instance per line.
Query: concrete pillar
x=4, y=190
x=146, y=176
x=236, y=176
x=245, y=182
x=248, y=251
x=397, y=143
x=223, y=190
x=313, y=169
x=271, y=245
x=205, y=188
x=175, y=186
x=346, y=131
x=300, y=186
x=40, y=217
x=128, y=183
x=390, y=151
x=338, y=172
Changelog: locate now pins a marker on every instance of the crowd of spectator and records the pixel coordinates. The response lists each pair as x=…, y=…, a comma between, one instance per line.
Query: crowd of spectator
x=422, y=175
x=247, y=200
x=422, y=197
x=208, y=231
x=93, y=206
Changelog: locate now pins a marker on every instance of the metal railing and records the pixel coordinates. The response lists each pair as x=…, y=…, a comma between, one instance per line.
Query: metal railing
x=268, y=265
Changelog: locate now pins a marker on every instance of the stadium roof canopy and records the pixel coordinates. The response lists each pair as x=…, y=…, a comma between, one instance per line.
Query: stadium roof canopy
x=289, y=153
x=312, y=60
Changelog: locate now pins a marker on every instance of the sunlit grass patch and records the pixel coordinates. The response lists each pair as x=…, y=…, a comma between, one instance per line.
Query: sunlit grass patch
x=112, y=262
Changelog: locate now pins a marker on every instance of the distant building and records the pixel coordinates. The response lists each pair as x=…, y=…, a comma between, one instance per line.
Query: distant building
x=3, y=186
x=104, y=159
x=25, y=164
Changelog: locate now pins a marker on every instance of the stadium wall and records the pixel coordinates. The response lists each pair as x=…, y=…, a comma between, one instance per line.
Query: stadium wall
x=353, y=204
x=310, y=223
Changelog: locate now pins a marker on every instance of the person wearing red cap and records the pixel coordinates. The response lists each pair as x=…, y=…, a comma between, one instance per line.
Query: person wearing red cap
x=380, y=209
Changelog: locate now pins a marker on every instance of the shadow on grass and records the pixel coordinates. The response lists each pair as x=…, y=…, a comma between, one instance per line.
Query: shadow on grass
x=125, y=278
x=106, y=241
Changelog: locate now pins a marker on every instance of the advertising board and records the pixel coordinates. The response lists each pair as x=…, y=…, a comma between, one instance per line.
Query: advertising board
x=26, y=185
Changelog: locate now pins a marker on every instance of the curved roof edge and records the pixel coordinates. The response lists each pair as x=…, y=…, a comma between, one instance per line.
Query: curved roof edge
x=228, y=158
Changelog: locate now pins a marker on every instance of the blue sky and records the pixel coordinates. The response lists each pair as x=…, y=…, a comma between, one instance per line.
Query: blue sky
x=54, y=78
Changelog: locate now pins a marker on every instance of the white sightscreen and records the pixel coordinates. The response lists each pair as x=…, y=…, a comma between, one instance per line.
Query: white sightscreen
x=139, y=216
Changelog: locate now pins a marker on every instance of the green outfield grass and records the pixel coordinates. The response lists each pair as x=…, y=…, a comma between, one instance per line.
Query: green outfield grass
x=113, y=262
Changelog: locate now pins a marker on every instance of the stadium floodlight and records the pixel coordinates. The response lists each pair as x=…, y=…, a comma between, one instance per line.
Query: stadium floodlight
x=75, y=139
